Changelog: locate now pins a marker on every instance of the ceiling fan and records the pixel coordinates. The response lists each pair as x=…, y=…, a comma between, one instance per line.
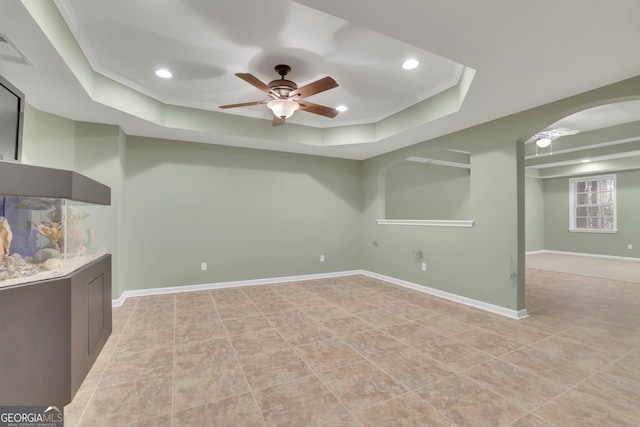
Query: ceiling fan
x=543, y=139
x=287, y=96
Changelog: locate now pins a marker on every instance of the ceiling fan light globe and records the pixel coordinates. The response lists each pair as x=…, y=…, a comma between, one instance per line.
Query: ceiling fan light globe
x=283, y=108
x=543, y=142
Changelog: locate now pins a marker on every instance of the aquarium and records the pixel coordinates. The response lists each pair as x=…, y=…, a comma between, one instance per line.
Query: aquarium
x=44, y=238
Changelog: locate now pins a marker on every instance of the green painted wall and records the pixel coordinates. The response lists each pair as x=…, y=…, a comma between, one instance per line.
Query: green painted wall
x=426, y=191
x=475, y=262
x=48, y=140
x=534, y=214
x=556, y=214
x=254, y=214
x=249, y=214
x=100, y=155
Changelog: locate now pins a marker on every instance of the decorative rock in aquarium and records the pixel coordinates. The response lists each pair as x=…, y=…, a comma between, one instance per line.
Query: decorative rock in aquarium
x=5, y=235
x=44, y=254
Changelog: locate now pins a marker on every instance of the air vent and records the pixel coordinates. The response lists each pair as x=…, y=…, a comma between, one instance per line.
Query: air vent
x=9, y=52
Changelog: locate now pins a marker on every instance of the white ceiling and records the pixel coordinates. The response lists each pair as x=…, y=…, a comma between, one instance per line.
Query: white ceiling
x=525, y=54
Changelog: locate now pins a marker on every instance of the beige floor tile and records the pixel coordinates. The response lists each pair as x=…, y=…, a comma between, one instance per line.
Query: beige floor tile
x=289, y=318
x=129, y=403
x=203, y=384
x=614, y=340
x=521, y=387
x=553, y=368
x=454, y=354
x=487, y=341
x=199, y=332
x=246, y=324
x=346, y=325
x=262, y=341
x=233, y=411
x=474, y=316
x=324, y=312
x=591, y=358
x=410, y=311
x=445, y=325
x=305, y=333
x=404, y=411
x=575, y=409
x=578, y=336
x=274, y=306
x=162, y=421
x=238, y=311
x=411, y=368
x=192, y=317
x=329, y=354
x=373, y=343
x=74, y=410
x=618, y=393
x=188, y=306
x=412, y=332
x=466, y=403
x=381, y=318
x=145, y=340
x=302, y=402
x=531, y=420
x=626, y=367
x=206, y=352
x=514, y=331
x=361, y=385
x=277, y=367
x=222, y=300
x=133, y=367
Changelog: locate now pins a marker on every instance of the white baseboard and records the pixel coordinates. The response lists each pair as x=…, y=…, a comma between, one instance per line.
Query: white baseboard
x=221, y=285
x=620, y=258
x=513, y=314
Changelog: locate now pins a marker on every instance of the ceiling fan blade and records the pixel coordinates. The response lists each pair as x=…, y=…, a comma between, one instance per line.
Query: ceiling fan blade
x=254, y=81
x=318, y=86
x=318, y=109
x=277, y=121
x=244, y=104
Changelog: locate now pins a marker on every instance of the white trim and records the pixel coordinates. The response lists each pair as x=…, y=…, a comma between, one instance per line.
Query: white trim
x=438, y=162
x=428, y=222
x=541, y=251
x=513, y=314
x=592, y=230
x=221, y=285
x=620, y=258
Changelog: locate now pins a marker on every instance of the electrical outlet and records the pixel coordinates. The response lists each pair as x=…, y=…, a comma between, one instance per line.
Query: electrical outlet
x=321, y=258
x=629, y=246
x=424, y=266
x=203, y=266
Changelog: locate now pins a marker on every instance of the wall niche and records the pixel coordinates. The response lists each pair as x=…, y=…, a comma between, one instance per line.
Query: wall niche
x=429, y=185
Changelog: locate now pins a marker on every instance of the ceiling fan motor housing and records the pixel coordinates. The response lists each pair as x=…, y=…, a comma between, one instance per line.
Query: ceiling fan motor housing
x=282, y=87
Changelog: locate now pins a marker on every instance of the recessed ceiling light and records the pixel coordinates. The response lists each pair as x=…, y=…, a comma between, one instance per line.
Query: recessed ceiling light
x=410, y=64
x=341, y=108
x=586, y=161
x=165, y=74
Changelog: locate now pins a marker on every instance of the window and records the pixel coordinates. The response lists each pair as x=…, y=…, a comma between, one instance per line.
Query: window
x=593, y=204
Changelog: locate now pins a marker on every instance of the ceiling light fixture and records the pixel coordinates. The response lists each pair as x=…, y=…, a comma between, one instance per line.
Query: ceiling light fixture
x=410, y=64
x=543, y=142
x=586, y=161
x=283, y=108
x=165, y=74
x=341, y=108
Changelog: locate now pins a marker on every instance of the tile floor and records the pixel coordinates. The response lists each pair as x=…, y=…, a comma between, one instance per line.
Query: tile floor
x=355, y=351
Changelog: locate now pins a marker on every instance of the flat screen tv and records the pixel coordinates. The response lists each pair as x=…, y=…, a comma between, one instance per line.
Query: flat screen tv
x=11, y=119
